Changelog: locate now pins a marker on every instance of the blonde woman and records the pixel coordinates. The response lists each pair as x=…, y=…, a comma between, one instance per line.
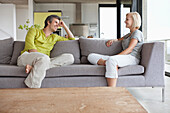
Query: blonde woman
x=130, y=55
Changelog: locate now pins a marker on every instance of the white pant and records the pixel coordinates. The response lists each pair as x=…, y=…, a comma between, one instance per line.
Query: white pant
x=112, y=62
x=40, y=63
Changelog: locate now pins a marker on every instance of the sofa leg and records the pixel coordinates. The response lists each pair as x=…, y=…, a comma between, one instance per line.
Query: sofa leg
x=163, y=94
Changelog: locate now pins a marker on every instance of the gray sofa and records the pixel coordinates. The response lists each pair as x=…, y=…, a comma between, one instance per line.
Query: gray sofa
x=149, y=73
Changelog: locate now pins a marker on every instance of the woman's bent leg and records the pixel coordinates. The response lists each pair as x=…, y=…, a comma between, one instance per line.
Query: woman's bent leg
x=113, y=63
x=97, y=59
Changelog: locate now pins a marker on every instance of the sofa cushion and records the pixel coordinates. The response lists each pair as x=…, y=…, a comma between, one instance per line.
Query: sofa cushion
x=88, y=69
x=131, y=70
x=75, y=70
x=71, y=46
x=12, y=70
x=88, y=46
x=18, y=47
x=6, y=48
x=71, y=70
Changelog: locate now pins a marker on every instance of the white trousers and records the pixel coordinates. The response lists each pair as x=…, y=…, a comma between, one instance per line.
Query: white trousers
x=112, y=62
x=40, y=63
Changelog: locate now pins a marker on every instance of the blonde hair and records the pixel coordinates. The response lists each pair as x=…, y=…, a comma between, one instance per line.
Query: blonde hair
x=136, y=19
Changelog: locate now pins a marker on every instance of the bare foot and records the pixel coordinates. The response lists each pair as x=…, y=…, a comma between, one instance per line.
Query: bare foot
x=28, y=68
x=101, y=62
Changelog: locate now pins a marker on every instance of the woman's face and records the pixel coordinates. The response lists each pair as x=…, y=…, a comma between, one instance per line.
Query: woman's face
x=129, y=21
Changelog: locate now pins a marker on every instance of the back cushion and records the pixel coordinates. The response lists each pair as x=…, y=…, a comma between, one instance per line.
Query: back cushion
x=88, y=46
x=18, y=47
x=6, y=48
x=70, y=46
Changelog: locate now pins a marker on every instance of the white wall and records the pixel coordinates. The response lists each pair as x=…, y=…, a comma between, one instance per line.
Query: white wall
x=7, y=21
x=31, y=5
x=21, y=17
x=90, y=16
x=89, y=13
x=67, y=9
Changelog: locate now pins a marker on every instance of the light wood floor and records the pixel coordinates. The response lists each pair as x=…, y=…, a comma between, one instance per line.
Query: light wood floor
x=150, y=98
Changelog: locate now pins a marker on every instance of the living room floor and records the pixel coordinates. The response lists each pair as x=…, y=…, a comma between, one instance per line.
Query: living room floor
x=151, y=98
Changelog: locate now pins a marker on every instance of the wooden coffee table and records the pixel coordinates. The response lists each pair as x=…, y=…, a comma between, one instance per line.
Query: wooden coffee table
x=69, y=100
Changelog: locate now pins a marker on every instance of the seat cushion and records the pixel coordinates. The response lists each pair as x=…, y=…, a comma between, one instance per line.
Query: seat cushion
x=131, y=70
x=76, y=70
x=88, y=70
x=88, y=46
x=6, y=48
x=71, y=70
x=12, y=70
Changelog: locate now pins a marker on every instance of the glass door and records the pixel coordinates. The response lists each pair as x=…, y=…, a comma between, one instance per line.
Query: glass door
x=108, y=21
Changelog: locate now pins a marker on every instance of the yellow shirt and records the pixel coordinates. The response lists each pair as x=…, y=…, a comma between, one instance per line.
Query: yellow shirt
x=36, y=39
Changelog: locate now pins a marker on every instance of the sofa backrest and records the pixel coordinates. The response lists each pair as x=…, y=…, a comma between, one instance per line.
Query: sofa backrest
x=17, y=48
x=71, y=46
x=6, y=48
x=88, y=46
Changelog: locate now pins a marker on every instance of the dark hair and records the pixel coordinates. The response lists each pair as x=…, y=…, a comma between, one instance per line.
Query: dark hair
x=50, y=19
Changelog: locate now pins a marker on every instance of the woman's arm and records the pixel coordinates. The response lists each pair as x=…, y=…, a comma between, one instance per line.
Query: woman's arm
x=121, y=38
x=132, y=45
x=110, y=42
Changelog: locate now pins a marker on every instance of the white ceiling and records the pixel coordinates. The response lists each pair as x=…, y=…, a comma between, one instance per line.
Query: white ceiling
x=25, y=2
x=17, y=2
x=75, y=1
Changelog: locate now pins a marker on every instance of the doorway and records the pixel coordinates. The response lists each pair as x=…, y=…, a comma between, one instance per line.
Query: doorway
x=108, y=21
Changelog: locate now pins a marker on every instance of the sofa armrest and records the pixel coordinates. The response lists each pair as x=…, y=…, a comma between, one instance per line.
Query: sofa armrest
x=152, y=58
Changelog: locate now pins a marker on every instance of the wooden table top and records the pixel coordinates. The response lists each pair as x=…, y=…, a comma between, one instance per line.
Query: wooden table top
x=69, y=100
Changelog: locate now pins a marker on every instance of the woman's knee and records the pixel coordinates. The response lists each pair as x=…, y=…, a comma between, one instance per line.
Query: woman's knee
x=92, y=58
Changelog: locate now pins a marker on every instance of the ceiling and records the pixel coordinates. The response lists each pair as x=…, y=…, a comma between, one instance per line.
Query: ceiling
x=17, y=2
x=25, y=2
x=74, y=1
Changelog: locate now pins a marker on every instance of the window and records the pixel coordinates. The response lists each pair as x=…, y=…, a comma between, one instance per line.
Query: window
x=158, y=23
x=124, y=11
x=108, y=21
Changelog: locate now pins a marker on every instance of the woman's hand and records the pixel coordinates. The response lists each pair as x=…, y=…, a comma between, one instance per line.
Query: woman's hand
x=110, y=42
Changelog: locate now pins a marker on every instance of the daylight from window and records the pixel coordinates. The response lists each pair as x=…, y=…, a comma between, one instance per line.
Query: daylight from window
x=124, y=30
x=158, y=22
x=108, y=22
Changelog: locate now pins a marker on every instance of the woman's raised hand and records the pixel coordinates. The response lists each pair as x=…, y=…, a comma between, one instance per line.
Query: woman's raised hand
x=110, y=42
